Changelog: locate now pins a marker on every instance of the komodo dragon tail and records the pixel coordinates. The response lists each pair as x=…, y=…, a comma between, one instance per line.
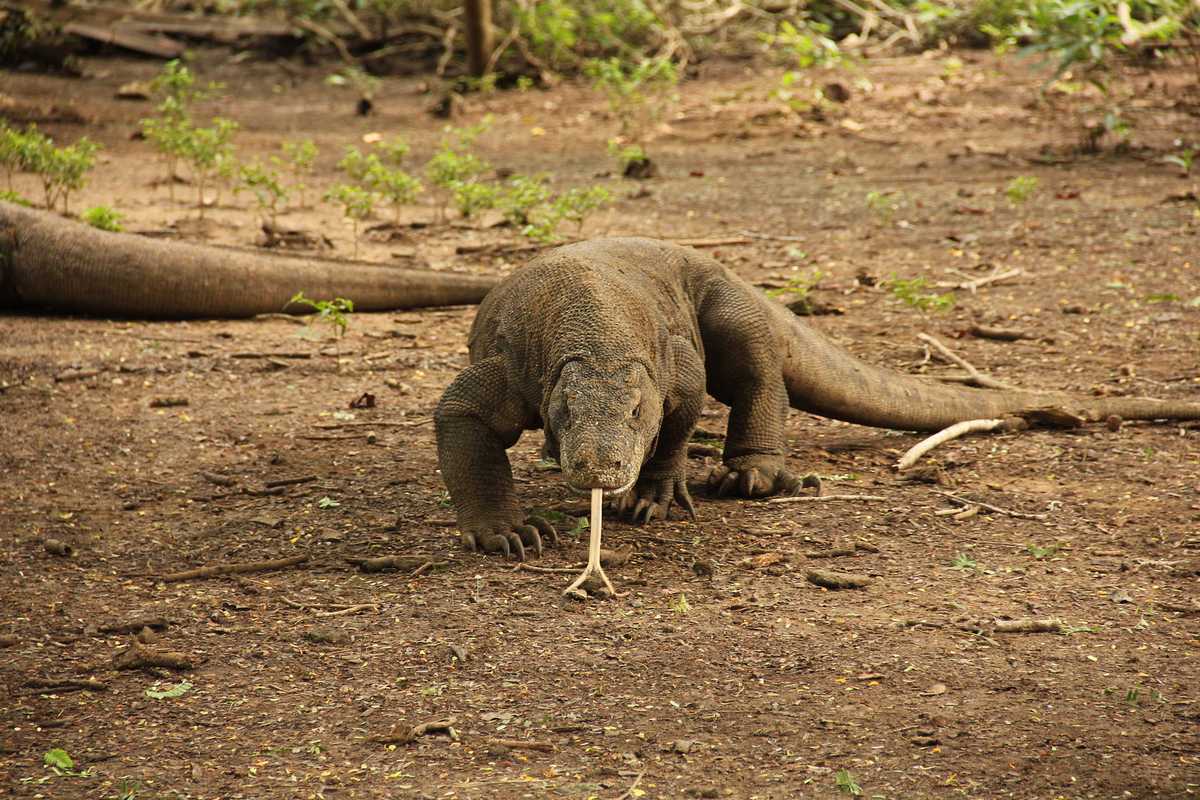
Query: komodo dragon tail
x=824, y=379
x=48, y=261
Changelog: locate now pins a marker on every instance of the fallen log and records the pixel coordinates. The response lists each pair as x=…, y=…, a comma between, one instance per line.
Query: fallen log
x=51, y=262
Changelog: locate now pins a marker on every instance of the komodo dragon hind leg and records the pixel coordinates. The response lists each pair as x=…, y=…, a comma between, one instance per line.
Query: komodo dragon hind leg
x=477, y=420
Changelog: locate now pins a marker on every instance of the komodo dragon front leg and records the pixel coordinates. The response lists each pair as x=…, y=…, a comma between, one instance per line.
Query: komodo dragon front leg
x=477, y=420
x=745, y=372
x=663, y=479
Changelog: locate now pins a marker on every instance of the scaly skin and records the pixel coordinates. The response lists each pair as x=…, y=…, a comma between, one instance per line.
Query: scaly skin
x=52, y=262
x=610, y=346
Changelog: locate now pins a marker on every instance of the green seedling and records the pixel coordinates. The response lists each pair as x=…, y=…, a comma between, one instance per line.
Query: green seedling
x=327, y=502
x=798, y=286
x=965, y=563
x=335, y=313
x=61, y=170
x=265, y=183
x=1184, y=159
x=637, y=93
x=208, y=151
x=1020, y=189
x=628, y=156
x=681, y=604
x=395, y=186
x=9, y=196
x=171, y=132
x=522, y=196
x=884, y=205
x=357, y=204
x=846, y=783
x=61, y=763
x=104, y=218
x=576, y=205
x=911, y=293
x=1039, y=552
x=300, y=158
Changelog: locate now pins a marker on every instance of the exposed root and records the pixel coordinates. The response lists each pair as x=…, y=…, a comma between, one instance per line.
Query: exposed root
x=233, y=569
x=956, y=430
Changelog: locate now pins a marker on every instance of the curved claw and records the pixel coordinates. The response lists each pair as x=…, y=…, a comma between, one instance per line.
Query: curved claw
x=516, y=541
x=751, y=480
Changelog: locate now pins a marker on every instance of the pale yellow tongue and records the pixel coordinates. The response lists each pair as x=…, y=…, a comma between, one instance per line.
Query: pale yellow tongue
x=597, y=513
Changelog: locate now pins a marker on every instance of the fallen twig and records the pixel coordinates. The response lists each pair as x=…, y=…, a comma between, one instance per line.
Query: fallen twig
x=349, y=610
x=837, y=580
x=523, y=744
x=632, y=787
x=1006, y=511
x=280, y=482
x=699, y=243
x=825, y=497
x=1028, y=625
x=1000, y=334
x=948, y=434
x=974, y=285
x=219, y=480
x=234, y=569
x=385, y=563
x=142, y=657
x=771, y=237
x=977, y=377
x=67, y=684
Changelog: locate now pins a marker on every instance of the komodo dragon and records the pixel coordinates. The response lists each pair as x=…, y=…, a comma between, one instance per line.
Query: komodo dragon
x=47, y=261
x=610, y=346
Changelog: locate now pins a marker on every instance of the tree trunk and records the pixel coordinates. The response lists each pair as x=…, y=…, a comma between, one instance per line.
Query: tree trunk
x=479, y=35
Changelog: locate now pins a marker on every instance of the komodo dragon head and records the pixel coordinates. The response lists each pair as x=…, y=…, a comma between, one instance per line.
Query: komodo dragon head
x=605, y=421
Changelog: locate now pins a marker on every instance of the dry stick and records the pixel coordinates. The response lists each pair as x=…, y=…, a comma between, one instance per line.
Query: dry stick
x=280, y=482
x=329, y=426
x=731, y=240
x=990, y=507
x=1000, y=334
x=824, y=497
x=350, y=610
x=941, y=437
x=1028, y=625
x=523, y=567
x=523, y=744
x=972, y=285
x=141, y=657
x=977, y=377
x=837, y=580
x=234, y=569
x=633, y=786
x=67, y=684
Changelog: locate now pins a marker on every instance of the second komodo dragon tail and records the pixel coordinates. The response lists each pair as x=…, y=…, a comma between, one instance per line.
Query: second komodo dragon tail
x=825, y=379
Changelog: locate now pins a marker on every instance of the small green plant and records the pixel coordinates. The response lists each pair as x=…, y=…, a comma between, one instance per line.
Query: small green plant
x=300, y=158
x=327, y=502
x=637, y=93
x=265, y=183
x=172, y=131
x=798, y=286
x=61, y=763
x=104, y=218
x=1020, y=189
x=473, y=196
x=450, y=170
x=681, y=604
x=395, y=186
x=965, y=563
x=846, y=783
x=1040, y=552
x=628, y=156
x=884, y=205
x=1184, y=159
x=357, y=204
x=9, y=196
x=521, y=197
x=576, y=205
x=912, y=293
x=207, y=151
x=336, y=314
x=125, y=789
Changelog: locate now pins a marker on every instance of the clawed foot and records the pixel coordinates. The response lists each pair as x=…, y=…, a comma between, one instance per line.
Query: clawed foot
x=652, y=499
x=751, y=476
x=513, y=540
x=590, y=581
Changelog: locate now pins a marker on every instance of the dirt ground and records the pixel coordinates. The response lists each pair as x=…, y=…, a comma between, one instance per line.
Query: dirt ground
x=723, y=672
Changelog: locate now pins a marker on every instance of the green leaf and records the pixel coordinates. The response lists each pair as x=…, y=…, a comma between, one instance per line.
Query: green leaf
x=58, y=759
x=327, y=502
x=178, y=690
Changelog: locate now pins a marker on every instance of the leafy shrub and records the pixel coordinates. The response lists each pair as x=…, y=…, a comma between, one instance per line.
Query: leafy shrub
x=104, y=218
